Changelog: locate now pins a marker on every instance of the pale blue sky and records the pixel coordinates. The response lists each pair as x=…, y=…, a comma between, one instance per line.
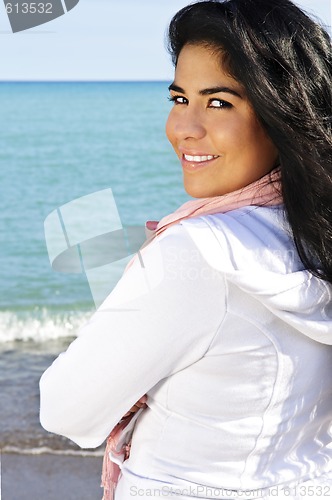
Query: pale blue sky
x=101, y=40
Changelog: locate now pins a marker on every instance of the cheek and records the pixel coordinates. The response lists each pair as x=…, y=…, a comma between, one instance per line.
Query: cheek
x=256, y=134
x=261, y=143
x=227, y=130
x=170, y=129
x=241, y=136
x=171, y=126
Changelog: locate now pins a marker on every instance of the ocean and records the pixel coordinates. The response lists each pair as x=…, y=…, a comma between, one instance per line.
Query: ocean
x=61, y=142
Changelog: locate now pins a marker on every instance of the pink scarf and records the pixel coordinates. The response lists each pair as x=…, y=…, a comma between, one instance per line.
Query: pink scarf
x=264, y=192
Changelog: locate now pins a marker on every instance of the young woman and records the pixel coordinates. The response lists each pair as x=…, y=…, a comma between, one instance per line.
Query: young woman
x=224, y=320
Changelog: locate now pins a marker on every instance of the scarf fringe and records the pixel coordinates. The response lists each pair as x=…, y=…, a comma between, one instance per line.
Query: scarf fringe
x=111, y=471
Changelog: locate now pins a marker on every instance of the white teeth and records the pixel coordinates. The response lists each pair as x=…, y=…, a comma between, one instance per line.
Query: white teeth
x=199, y=159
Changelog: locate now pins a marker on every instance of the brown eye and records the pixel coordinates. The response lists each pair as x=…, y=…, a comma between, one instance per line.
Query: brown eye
x=219, y=103
x=178, y=99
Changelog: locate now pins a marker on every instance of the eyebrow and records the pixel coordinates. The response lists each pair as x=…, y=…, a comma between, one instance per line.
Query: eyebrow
x=209, y=91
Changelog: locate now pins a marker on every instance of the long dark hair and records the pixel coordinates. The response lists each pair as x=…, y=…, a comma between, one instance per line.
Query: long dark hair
x=284, y=60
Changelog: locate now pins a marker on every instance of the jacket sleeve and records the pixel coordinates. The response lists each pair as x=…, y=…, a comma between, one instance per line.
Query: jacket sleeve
x=160, y=318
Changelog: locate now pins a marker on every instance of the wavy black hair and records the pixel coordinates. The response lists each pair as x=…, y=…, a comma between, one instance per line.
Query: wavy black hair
x=283, y=59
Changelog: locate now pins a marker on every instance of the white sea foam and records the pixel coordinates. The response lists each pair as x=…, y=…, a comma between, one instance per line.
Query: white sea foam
x=40, y=326
x=49, y=451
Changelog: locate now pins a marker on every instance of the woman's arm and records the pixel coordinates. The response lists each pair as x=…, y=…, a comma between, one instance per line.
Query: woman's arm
x=160, y=318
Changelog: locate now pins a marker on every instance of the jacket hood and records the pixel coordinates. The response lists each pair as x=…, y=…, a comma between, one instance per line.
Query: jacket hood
x=253, y=247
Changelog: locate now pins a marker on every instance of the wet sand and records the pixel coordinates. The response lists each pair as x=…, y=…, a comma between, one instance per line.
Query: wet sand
x=50, y=477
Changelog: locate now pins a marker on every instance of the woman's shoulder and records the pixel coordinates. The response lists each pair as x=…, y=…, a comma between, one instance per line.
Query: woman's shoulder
x=252, y=223
x=254, y=249
x=255, y=237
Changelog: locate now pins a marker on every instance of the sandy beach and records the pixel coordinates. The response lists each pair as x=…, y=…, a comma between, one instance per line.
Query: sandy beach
x=50, y=477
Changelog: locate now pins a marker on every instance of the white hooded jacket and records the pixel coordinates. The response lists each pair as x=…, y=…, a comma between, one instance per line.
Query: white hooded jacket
x=218, y=323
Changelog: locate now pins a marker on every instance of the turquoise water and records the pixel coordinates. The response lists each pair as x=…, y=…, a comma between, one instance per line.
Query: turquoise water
x=59, y=142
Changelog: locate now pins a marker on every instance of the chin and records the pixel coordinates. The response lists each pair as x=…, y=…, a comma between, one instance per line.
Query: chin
x=198, y=191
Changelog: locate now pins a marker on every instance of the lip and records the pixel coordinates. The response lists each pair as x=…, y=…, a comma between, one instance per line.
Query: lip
x=192, y=166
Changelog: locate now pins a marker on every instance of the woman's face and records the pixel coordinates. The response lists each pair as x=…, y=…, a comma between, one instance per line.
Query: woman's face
x=213, y=129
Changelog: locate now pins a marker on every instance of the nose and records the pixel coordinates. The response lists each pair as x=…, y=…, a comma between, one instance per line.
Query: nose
x=187, y=124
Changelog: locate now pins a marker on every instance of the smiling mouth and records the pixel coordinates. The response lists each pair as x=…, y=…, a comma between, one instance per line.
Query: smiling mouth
x=199, y=159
